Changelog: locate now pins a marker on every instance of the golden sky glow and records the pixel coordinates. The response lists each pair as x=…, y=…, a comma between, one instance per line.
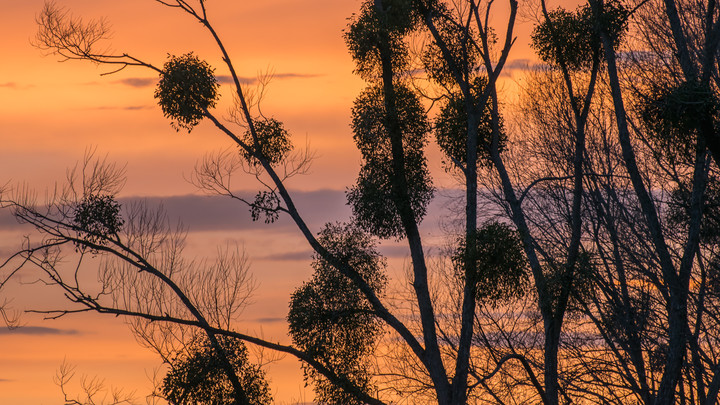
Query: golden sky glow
x=50, y=113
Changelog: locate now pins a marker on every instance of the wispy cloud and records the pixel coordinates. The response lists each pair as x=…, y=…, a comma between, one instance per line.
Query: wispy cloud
x=8, y=221
x=296, y=75
x=267, y=320
x=226, y=79
x=217, y=213
x=289, y=256
x=15, y=86
x=122, y=108
x=396, y=250
x=392, y=251
x=520, y=65
x=138, y=81
x=2, y=380
x=141, y=82
x=37, y=331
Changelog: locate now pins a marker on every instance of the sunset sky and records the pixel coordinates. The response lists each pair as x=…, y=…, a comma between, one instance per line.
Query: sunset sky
x=51, y=113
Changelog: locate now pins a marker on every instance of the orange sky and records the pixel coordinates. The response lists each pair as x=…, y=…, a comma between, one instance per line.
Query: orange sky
x=50, y=113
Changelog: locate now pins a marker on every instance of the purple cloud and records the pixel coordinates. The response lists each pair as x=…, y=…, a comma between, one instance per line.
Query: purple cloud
x=267, y=320
x=37, y=331
x=210, y=213
x=125, y=108
x=138, y=81
x=289, y=256
x=221, y=213
x=226, y=79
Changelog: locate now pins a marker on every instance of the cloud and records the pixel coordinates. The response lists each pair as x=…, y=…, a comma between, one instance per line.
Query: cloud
x=295, y=76
x=510, y=67
x=37, y=331
x=267, y=320
x=15, y=86
x=200, y=213
x=226, y=79
x=217, y=213
x=520, y=65
x=2, y=380
x=8, y=221
x=289, y=256
x=391, y=251
x=124, y=108
x=138, y=81
x=396, y=251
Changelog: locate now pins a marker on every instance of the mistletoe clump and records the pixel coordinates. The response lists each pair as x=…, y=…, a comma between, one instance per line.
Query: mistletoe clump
x=187, y=89
x=97, y=217
x=377, y=26
x=451, y=126
x=573, y=37
x=498, y=267
x=332, y=320
x=374, y=195
x=673, y=113
x=271, y=142
x=198, y=375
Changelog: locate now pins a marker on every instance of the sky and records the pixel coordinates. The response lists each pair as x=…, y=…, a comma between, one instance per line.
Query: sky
x=51, y=113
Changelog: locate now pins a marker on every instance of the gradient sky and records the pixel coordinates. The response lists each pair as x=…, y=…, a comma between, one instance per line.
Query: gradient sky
x=50, y=113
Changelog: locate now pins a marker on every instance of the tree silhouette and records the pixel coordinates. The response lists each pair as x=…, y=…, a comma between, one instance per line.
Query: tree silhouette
x=187, y=88
x=582, y=265
x=330, y=318
x=198, y=376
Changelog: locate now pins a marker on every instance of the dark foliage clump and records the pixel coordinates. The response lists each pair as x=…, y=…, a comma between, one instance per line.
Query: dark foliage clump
x=673, y=113
x=679, y=211
x=460, y=47
x=187, y=88
x=573, y=38
x=373, y=28
x=332, y=320
x=374, y=198
x=500, y=269
x=451, y=127
x=267, y=204
x=273, y=142
x=97, y=217
x=198, y=376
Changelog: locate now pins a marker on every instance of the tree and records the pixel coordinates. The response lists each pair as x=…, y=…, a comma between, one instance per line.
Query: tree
x=94, y=390
x=198, y=376
x=676, y=264
x=585, y=264
x=331, y=320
